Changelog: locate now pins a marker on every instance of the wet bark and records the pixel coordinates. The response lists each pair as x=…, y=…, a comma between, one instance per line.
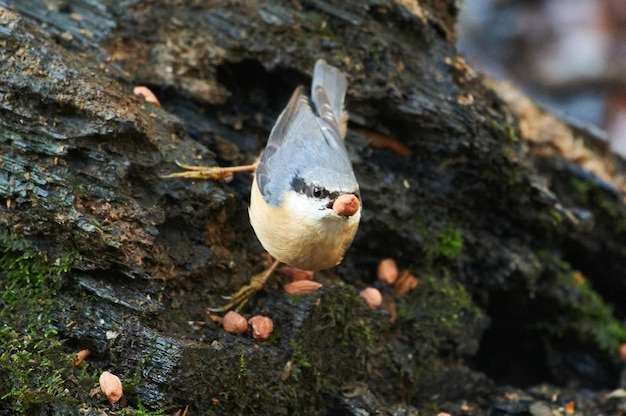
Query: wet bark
x=512, y=220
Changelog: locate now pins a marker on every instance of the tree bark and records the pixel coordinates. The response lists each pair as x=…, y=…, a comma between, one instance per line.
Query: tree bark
x=512, y=220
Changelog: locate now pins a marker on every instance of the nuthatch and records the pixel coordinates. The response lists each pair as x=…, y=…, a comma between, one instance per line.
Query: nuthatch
x=305, y=204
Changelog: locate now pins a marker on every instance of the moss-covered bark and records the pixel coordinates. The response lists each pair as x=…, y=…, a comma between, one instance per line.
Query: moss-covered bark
x=518, y=247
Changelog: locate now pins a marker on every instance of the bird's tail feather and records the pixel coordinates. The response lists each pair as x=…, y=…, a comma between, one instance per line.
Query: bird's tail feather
x=332, y=92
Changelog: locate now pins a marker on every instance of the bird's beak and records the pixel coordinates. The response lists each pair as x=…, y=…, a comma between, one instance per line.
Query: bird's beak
x=346, y=205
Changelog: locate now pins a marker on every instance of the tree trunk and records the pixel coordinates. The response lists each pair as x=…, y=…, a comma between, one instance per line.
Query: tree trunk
x=513, y=221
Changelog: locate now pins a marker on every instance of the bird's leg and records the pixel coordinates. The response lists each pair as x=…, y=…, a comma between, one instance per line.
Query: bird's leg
x=243, y=295
x=209, y=172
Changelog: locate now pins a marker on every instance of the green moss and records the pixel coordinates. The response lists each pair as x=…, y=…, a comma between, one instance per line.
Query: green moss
x=140, y=411
x=343, y=324
x=593, y=318
x=243, y=369
x=36, y=371
x=455, y=296
x=510, y=132
x=506, y=131
x=450, y=243
x=299, y=362
x=447, y=243
x=609, y=206
x=580, y=311
x=433, y=317
x=613, y=208
x=31, y=369
x=441, y=304
x=556, y=215
x=241, y=389
x=581, y=186
x=33, y=364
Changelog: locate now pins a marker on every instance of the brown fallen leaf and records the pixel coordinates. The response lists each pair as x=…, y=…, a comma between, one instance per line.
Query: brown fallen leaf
x=382, y=141
x=405, y=283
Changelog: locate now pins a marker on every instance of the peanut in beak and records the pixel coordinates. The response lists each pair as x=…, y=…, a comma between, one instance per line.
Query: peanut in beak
x=346, y=205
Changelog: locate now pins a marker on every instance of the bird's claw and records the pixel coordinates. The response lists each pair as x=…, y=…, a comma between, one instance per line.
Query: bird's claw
x=200, y=172
x=213, y=173
x=243, y=295
x=238, y=300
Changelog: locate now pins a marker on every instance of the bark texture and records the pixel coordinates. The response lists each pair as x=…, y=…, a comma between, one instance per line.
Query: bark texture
x=512, y=220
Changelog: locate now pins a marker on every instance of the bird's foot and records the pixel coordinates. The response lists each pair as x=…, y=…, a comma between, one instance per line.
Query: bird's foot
x=208, y=172
x=243, y=295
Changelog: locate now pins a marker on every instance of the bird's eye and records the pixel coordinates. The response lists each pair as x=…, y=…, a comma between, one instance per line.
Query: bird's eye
x=318, y=191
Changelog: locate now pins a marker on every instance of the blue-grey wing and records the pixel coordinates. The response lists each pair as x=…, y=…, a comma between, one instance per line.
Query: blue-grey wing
x=300, y=148
x=295, y=116
x=306, y=142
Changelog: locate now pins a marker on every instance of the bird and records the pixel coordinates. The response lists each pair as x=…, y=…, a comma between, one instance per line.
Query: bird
x=305, y=202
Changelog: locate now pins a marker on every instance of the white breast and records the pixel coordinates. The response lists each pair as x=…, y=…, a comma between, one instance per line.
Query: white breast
x=299, y=234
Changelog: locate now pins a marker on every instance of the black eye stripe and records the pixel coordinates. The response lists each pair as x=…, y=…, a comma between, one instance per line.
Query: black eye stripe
x=316, y=191
x=312, y=190
x=298, y=185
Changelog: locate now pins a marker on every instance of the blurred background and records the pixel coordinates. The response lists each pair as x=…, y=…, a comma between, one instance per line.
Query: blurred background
x=569, y=55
